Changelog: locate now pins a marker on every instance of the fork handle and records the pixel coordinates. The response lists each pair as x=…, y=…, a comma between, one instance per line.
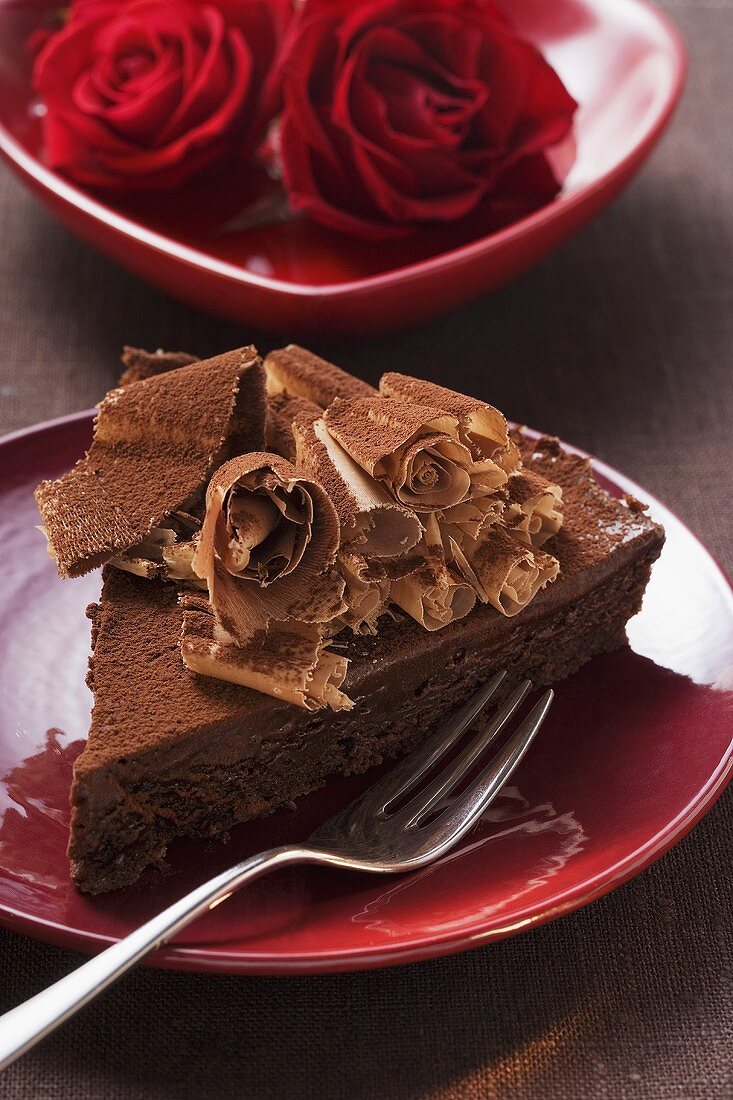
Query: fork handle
x=22, y=1027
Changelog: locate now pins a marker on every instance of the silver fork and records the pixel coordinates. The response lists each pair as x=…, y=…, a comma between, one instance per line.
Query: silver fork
x=378, y=832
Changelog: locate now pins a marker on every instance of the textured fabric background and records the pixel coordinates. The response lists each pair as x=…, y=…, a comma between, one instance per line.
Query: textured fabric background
x=621, y=343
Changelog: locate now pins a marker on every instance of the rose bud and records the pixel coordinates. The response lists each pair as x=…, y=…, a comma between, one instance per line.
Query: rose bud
x=402, y=112
x=143, y=94
x=268, y=543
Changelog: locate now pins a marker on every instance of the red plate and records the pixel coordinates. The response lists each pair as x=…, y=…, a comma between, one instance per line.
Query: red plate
x=623, y=61
x=636, y=748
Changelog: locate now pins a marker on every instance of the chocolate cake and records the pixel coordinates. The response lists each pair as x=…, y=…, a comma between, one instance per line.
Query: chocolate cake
x=302, y=575
x=172, y=753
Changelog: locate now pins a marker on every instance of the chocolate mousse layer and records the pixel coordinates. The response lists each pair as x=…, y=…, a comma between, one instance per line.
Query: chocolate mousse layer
x=174, y=754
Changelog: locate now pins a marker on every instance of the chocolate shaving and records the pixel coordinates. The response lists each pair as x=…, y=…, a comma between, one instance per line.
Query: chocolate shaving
x=156, y=443
x=366, y=598
x=482, y=428
x=436, y=594
x=267, y=546
x=140, y=364
x=300, y=373
x=534, y=508
x=166, y=552
x=504, y=572
x=282, y=411
x=412, y=449
x=370, y=519
x=178, y=562
x=292, y=662
x=473, y=518
x=394, y=569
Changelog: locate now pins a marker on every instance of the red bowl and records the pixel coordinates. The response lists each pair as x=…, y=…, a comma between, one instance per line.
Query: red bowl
x=622, y=60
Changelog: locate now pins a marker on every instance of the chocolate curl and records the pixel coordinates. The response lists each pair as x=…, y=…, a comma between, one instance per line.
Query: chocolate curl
x=482, y=428
x=300, y=373
x=292, y=663
x=471, y=519
x=369, y=584
x=140, y=364
x=146, y=559
x=534, y=508
x=267, y=545
x=366, y=598
x=282, y=411
x=435, y=594
x=178, y=562
x=155, y=446
x=504, y=572
x=166, y=552
x=412, y=449
x=369, y=518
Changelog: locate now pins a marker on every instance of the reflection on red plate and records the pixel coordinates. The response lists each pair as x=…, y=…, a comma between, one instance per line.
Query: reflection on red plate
x=636, y=748
x=621, y=59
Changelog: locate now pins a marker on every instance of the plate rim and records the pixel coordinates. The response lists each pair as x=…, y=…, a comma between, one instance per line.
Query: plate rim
x=76, y=198
x=206, y=959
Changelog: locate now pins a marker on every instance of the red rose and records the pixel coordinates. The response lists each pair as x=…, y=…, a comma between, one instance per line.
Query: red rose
x=398, y=112
x=144, y=93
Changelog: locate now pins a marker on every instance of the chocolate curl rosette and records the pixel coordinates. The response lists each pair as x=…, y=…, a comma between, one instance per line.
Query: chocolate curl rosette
x=533, y=512
x=504, y=572
x=300, y=373
x=412, y=450
x=481, y=427
x=292, y=663
x=267, y=548
x=374, y=528
x=435, y=594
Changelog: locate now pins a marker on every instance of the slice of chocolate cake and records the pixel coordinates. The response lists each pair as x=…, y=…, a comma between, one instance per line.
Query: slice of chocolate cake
x=171, y=753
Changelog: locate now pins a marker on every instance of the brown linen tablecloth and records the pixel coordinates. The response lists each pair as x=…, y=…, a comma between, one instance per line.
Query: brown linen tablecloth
x=620, y=343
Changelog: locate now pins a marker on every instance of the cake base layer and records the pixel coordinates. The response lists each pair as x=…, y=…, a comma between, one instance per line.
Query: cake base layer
x=171, y=754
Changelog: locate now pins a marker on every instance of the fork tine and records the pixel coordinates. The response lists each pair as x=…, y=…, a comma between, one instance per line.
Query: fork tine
x=465, y=811
x=428, y=798
x=403, y=778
